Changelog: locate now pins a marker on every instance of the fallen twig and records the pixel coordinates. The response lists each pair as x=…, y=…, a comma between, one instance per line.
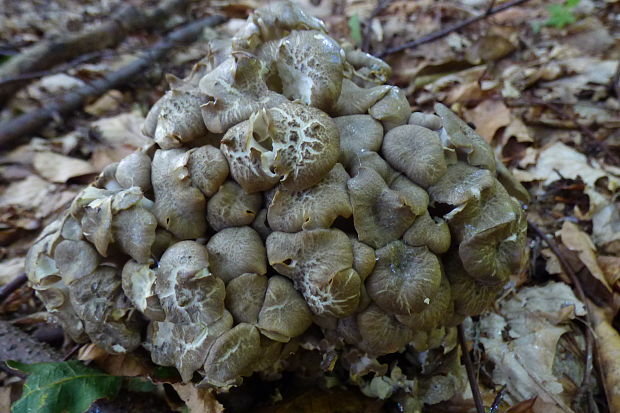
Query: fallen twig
x=450, y=29
x=31, y=122
x=11, y=286
x=49, y=53
x=498, y=400
x=85, y=58
x=587, y=372
x=469, y=367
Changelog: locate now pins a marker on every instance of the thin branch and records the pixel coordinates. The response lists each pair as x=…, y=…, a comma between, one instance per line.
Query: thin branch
x=587, y=373
x=498, y=400
x=31, y=122
x=450, y=29
x=471, y=374
x=88, y=57
x=7, y=289
x=48, y=53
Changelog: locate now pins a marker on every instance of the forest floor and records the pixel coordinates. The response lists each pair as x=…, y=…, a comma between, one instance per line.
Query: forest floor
x=540, y=81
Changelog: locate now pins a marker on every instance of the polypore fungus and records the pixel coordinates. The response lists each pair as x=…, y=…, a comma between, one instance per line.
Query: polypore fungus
x=290, y=203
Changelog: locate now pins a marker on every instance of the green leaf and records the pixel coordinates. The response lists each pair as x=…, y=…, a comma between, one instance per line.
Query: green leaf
x=62, y=387
x=561, y=15
x=356, y=29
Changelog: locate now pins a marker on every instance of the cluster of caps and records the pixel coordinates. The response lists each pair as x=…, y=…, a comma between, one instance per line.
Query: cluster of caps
x=289, y=193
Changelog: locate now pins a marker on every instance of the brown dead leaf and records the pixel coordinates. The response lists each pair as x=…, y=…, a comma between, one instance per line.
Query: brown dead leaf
x=489, y=116
x=24, y=203
x=122, y=365
x=103, y=155
x=526, y=406
x=611, y=268
x=489, y=48
x=455, y=87
x=522, y=342
x=28, y=193
x=608, y=345
x=198, y=400
x=561, y=158
x=576, y=240
x=517, y=129
x=123, y=129
x=109, y=102
x=60, y=168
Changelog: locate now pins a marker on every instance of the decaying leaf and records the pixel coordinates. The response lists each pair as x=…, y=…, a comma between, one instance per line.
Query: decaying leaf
x=611, y=269
x=489, y=116
x=608, y=345
x=123, y=129
x=198, y=400
x=576, y=240
x=60, y=168
x=560, y=158
x=534, y=320
x=526, y=406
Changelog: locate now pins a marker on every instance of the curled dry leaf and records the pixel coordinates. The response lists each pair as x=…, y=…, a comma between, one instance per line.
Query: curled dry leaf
x=576, y=240
x=608, y=346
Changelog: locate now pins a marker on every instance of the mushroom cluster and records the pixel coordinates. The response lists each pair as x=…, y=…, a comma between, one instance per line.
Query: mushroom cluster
x=288, y=193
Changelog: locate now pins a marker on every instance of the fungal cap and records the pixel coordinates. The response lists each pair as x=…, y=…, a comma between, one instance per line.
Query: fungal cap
x=404, y=279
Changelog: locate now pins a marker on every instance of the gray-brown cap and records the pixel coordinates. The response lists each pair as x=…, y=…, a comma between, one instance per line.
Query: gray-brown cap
x=415, y=151
x=358, y=133
x=236, y=251
x=315, y=207
x=187, y=290
x=405, y=279
x=380, y=214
